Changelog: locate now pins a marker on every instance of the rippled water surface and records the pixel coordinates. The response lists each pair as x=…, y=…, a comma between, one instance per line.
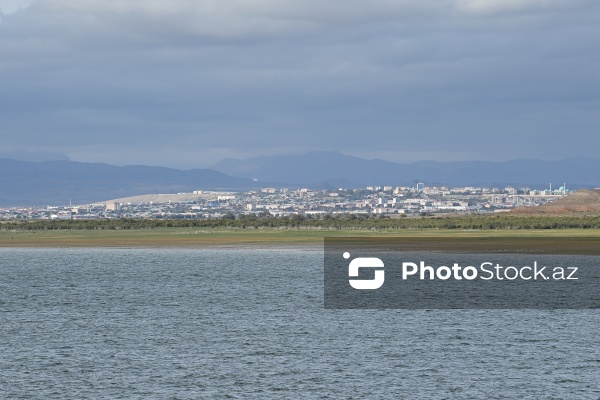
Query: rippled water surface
x=250, y=324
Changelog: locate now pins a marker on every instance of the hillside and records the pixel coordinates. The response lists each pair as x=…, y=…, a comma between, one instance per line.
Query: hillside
x=25, y=183
x=580, y=201
x=165, y=198
x=333, y=167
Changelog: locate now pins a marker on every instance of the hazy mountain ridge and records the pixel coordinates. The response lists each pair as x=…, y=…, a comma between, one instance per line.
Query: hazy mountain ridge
x=331, y=166
x=55, y=182
x=34, y=156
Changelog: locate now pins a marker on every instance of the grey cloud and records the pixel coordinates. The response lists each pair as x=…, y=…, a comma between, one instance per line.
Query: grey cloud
x=125, y=81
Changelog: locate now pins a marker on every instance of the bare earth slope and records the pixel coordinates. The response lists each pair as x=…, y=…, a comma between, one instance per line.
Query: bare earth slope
x=581, y=201
x=165, y=198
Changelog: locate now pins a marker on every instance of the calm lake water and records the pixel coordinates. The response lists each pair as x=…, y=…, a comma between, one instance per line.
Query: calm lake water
x=250, y=324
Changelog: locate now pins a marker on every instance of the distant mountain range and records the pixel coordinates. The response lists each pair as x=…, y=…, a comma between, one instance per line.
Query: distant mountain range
x=35, y=156
x=334, y=169
x=55, y=182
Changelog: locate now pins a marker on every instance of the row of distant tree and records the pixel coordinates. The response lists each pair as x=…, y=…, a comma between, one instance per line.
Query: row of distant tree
x=348, y=221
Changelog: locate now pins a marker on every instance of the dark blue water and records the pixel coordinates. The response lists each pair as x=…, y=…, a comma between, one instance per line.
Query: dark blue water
x=250, y=324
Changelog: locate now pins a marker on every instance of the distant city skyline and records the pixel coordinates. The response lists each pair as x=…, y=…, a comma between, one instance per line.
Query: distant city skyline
x=185, y=84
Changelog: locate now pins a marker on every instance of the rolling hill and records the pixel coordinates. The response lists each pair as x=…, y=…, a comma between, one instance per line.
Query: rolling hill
x=322, y=167
x=56, y=182
x=580, y=201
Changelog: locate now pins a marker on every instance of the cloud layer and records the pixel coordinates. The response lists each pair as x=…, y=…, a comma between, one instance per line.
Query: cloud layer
x=184, y=83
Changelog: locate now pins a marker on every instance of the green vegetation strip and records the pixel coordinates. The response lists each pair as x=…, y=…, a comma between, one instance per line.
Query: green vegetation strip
x=560, y=241
x=327, y=222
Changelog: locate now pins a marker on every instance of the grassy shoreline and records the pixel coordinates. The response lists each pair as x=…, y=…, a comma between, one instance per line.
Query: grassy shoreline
x=560, y=241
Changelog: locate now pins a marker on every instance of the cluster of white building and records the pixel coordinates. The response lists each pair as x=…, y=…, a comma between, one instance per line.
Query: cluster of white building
x=379, y=200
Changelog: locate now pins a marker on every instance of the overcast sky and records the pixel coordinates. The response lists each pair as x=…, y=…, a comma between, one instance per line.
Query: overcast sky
x=186, y=83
